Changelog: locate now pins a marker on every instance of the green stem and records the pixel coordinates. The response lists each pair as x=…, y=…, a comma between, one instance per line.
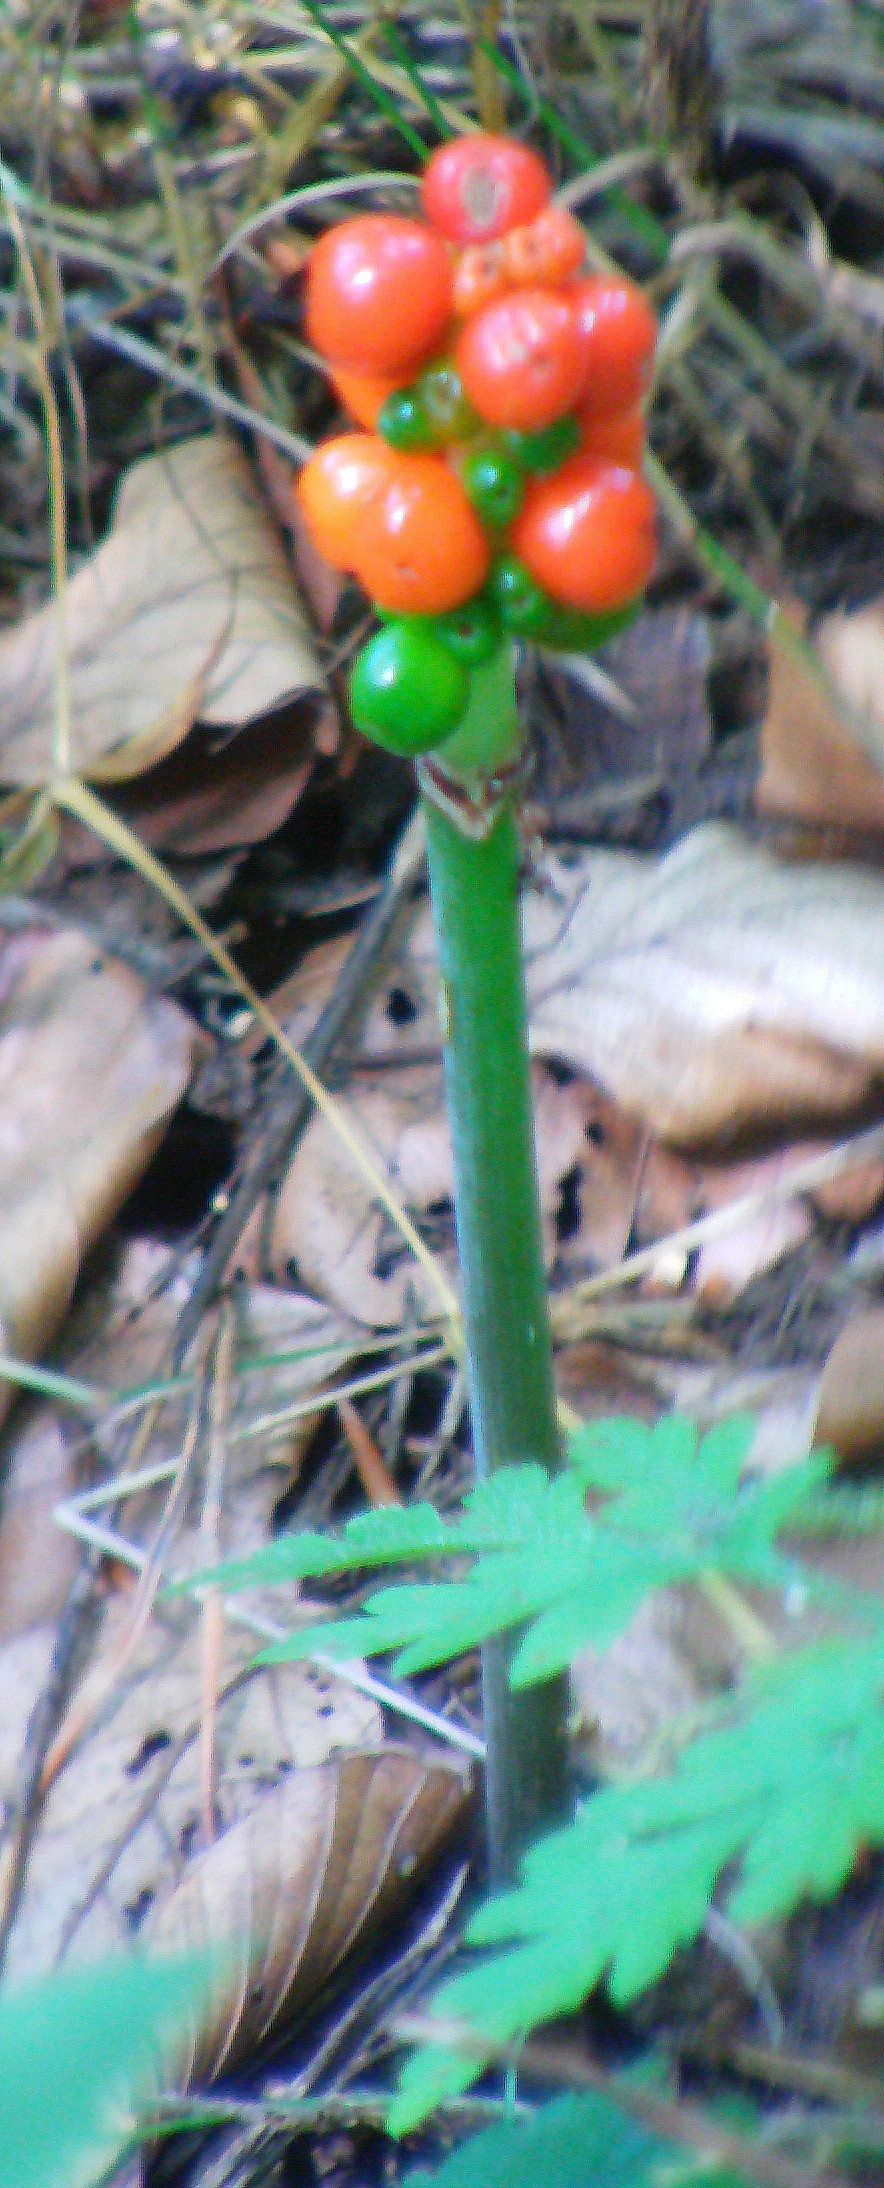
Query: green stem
x=475, y=892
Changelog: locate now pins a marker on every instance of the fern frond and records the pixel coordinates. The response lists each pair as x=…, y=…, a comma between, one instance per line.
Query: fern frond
x=785, y=1797
x=393, y=1535
x=673, y=1509
x=779, y=1796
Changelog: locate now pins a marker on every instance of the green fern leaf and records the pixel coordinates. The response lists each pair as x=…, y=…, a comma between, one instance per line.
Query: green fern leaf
x=373, y=1538
x=667, y=1482
x=574, y=2142
x=785, y=1798
x=674, y=1508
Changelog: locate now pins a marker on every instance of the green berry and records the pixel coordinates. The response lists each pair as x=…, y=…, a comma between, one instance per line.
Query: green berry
x=403, y=421
x=529, y=612
x=472, y=632
x=493, y=480
x=448, y=408
x=407, y=689
x=568, y=630
x=522, y=604
x=546, y=449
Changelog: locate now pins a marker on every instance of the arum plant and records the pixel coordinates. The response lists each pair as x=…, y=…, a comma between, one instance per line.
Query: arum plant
x=490, y=491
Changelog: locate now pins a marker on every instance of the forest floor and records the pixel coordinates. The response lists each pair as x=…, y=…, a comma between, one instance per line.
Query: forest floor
x=210, y=1326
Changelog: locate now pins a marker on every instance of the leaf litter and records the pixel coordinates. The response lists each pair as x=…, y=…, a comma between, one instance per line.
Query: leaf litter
x=697, y=989
x=126, y=1845
x=92, y=1066
x=684, y=1002
x=186, y=610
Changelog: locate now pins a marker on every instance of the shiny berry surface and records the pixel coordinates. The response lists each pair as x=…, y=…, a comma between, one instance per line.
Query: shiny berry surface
x=478, y=187
x=404, y=421
x=521, y=359
x=618, y=334
x=494, y=480
x=407, y=689
x=336, y=489
x=550, y=249
x=472, y=632
x=587, y=534
x=379, y=293
x=441, y=391
x=418, y=546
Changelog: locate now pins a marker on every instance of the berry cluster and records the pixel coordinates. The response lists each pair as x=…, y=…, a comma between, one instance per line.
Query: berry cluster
x=495, y=488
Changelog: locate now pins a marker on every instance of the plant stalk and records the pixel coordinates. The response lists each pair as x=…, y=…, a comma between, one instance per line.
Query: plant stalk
x=475, y=893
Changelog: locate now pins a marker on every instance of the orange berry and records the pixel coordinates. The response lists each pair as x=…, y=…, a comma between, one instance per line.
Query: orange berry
x=379, y=293
x=618, y=334
x=400, y=523
x=478, y=187
x=548, y=251
x=337, y=487
x=365, y=393
x=619, y=438
x=480, y=274
x=587, y=533
x=521, y=360
x=419, y=546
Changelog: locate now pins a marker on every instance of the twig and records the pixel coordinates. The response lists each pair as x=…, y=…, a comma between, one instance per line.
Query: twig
x=74, y=1516
x=155, y=361
x=220, y=1377
x=817, y=1170
x=26, y=1805
x=565, y=2067
x=290, y=1106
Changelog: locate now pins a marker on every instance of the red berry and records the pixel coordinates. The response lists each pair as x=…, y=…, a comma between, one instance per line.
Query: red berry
x=365, y=393
x=401, y=523
x=618, y=333
x=478, y=187
x=521, y=360
x=618, y=436
x=420, y=549
x=338, y=486
x=549, y=250
x=587, y=533
x=480, y=275
x=379, y=293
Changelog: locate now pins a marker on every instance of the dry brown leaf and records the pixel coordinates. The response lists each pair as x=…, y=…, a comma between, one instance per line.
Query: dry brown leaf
x=287, y=1348
x=813, y=768
x=850, y=1416
x=714, y=989
x=187, y=609
x=727, y=1264
x=204, y=799
x=690, y=998
x=119, y=1826
x=719, y=988
x=329, y=1854
x=91, y=1068
x=602, y=1178
x=329, y=1232
x=640, y=711
x=37, y=1560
